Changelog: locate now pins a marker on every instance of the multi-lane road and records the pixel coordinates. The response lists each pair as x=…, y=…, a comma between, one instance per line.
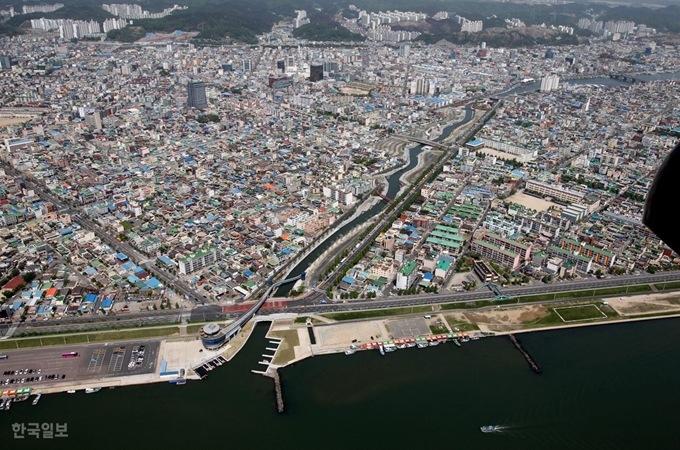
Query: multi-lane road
x=304, y=306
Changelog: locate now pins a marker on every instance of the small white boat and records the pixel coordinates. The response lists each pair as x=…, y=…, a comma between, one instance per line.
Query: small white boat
x=351, y=351
x=8, y=404
x=92, y=390
x=36, y=399
x=71, y=391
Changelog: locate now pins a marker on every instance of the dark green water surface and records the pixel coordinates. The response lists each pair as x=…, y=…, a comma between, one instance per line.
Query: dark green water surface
x=602, y=387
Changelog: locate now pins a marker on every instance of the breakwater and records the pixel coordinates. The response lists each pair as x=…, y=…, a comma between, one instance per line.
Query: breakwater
x=524, y=353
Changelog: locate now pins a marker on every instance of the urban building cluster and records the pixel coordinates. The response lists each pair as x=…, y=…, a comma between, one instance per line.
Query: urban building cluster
x=134, y=11
x=573, y=209
x=224, y=164
x=78, y=29
x=615, y=29
x=28, y=9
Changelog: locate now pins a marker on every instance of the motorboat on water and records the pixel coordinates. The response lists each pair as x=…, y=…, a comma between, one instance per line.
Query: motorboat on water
x=457, y=342
x=489, y=428
x=92, y=390
x=71, y=391
x=36, y=399
x=351, y=351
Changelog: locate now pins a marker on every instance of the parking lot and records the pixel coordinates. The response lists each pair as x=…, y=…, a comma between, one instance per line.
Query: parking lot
x=408, y=328
x=41, y=367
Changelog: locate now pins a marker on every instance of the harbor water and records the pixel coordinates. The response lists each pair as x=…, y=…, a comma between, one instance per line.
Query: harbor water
x=601, y=387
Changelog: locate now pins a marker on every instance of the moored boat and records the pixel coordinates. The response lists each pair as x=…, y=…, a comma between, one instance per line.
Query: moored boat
x=382, y=349
x=92, y=390
x=71, y=391
x=390, y=346
x=8, y=404
x=351, y=351
x=457, y=342
x=36, y=399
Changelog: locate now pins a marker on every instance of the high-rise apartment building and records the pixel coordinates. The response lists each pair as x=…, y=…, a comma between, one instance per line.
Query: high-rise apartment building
x=196, y=92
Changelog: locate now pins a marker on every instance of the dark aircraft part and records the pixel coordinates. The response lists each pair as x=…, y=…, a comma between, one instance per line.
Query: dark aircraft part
x=662, y=208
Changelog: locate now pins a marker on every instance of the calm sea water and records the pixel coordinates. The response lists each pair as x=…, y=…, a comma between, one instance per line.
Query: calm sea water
x=604, y=387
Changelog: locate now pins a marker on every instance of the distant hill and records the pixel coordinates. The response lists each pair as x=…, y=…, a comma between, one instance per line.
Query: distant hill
x=505, y=37
x=319, y=31
x=219, y=21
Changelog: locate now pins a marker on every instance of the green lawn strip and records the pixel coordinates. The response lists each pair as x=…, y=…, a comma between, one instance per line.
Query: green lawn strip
x=89, y=337
x=646, y=316
x=76, y=339
x=5, y=345
x=94, y=330
x=135, y=334
x=54, y=340
x=667, y=286
x=462, y=326
x=378, y=313
x=476, y=304
x=305, y=319
x=580, y=312
x=435, y=329
x=550, y=320
x=587, y=293
x=25, y=343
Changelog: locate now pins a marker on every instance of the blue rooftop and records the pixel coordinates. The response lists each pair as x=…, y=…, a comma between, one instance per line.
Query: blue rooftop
x=348, y=280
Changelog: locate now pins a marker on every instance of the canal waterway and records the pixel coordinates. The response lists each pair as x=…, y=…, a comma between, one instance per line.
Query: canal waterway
x=602, y=387
x=392, y=191
x=608, y=82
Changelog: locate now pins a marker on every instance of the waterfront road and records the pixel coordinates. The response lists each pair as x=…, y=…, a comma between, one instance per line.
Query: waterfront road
x=312, y=304
x=307, y=305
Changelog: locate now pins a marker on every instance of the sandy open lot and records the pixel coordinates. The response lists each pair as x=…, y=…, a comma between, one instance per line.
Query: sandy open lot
x=343, y=333
x=4, y=121
x=531, y=202
x=643, y=304
x=497, y=153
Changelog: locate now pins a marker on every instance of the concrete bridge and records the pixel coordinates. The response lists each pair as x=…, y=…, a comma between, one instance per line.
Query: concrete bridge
x=383, y=196
x=628, y=78
x=234, y=328
x=422, y=141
